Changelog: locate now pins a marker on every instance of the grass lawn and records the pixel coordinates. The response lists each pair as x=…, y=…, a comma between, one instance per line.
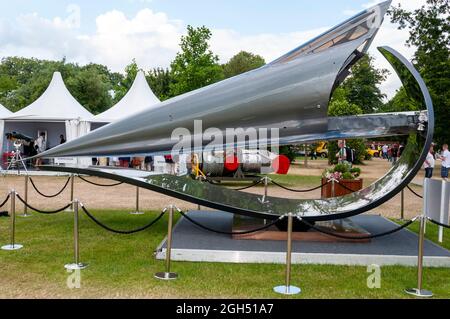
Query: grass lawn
x=123, y=266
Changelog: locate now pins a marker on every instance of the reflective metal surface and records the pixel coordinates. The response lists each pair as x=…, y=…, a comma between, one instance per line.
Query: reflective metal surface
x=221, y=198
x=290, y=94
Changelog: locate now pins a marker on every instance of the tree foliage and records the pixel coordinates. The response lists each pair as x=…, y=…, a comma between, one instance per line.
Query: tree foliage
x=362, y=86
x=196, y=65
x=159, y=80
x=429, y=31
x=241, y=63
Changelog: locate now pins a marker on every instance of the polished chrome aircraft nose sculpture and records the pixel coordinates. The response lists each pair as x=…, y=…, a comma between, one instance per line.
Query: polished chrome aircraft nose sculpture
x=290, y=94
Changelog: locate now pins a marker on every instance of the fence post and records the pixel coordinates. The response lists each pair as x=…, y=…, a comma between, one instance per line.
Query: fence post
x=72, y=181
x=25, y=207
x=419, y=292
x=288, y=289
x=12, y=245
x=167, y=275
x=77, y=265
x=137, y=212
x=402, y=205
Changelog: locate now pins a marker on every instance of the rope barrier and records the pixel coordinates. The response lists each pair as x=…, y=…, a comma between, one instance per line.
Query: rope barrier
x=412, y=191
x=97, y=184
x=299, y=190
x=122, y=232
x=229, y=233
x=438, y=223
x=247, y=187
x=237, y=189
x=5, y=201
x=358, y=237
x=49, y=196
x=43, y=211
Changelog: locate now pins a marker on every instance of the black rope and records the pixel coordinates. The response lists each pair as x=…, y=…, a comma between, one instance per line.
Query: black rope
x=357, y=237
x=49, y=196
x=43, y=211
x=247, y=187
x=101, y=185
x=229, y=233
x=412, y=191
x=299, y=190
x=438, y=223
x=122, y=232
x=5, y=201
x=237, y=189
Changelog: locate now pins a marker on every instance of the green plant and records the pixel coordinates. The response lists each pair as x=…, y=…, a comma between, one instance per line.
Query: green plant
x=348, y=175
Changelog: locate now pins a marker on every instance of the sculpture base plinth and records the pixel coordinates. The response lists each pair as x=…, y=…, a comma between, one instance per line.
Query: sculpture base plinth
x=339, y=227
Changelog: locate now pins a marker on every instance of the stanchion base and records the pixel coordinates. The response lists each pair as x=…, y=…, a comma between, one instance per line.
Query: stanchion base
x=12, y=247
x=166, y=275
x=137, y=213
x=79, y=266
x=25, y=215
x=284, y=290
x=419, y=293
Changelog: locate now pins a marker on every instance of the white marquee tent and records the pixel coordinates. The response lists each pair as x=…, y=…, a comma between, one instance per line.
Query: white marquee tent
x=4, y=112
x=55, y=112
x=138, y=98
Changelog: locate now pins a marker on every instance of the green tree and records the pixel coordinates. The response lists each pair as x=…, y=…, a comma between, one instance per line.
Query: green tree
x=241, y=63
x=159, y=80
x=23, y=80
x=195, y=66
x=362, y=86
x=401, y=102
x=126, y=81
x=91, y=89
x=429, y=32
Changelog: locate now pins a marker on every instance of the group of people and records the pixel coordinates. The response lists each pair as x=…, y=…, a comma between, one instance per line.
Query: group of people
x=390, y=152
x=430, y=162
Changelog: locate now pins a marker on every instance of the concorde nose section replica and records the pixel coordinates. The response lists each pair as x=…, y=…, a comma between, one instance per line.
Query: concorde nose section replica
x=290, y=94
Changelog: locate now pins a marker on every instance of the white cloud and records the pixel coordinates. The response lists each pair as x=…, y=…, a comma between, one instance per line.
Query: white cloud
x=152, y=38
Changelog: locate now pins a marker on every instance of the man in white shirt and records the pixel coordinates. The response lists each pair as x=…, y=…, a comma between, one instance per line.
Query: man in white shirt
x=385, y=151
x=445, y=158
x=429, y=163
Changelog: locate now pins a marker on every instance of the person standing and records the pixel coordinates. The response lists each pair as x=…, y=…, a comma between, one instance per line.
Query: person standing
x=429, y=163
x=385, y=149
x=62, y=139
x=445, y=158
x=394, y=154
x=342, y=154
x=41, y=146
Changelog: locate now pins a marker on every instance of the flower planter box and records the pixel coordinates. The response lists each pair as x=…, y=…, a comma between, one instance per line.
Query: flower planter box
x=354, y=185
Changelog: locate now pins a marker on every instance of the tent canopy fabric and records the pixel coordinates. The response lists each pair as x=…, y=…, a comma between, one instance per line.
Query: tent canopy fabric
x=139, y=97
x=4, y=112
x=55, y=104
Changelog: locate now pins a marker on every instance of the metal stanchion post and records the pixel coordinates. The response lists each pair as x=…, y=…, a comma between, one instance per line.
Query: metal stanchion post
x=25, y=207
x=12, y=245
x=333, y=188
x=167, y=275
x=419, y=292
x=77, y=265
x=266, y=185
x=288, y=289
x=72, y=182
x=137, y=212
x=402, y=205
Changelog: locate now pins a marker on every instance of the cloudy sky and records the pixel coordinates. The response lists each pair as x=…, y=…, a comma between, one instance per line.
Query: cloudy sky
x=113, y=32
